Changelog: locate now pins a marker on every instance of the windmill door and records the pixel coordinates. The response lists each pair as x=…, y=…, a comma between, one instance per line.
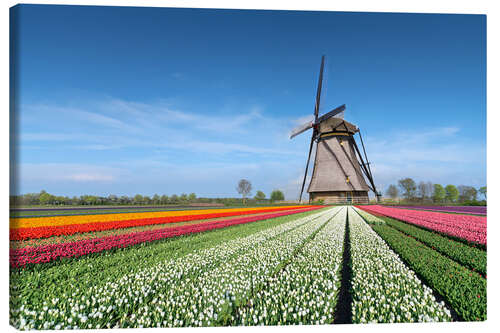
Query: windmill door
x=349, y=198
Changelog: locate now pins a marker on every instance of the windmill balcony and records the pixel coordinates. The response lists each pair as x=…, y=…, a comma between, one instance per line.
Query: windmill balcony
x=340, y=197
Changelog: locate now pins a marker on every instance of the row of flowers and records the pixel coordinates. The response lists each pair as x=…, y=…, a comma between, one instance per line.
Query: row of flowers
x=383, y=288
x=463, y=289
x=305, y=290
x=49, y=231
x=34, y=242
x=369, y=218
x=47, y=253
x=51, y=221
x=469, y=256
x=470, y=228
x=212, y=297
x=479, y=210
x=171, y=292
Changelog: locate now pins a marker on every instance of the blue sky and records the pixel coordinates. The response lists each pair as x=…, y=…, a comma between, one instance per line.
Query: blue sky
x=156, y=100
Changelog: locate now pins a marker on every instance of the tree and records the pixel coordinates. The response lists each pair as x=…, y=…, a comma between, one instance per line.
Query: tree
x=112, y=198
x=192, y=197
x=277, y=195
x=156, y=199
x=482, y=190
x=138, y=199
x=423, y=190
x=409, y=188
x=439, y=193
x=184, y=197
x=472, y=193
x=430, y=189
x=45, y=198
x=392, y=191
x=164, y=199
x=467, y=193
x=174, y=198
x=451, y=193
x=260, y=195
x=244, y=188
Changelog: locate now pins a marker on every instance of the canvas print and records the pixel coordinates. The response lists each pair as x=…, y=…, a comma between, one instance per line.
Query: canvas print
x=182, y=167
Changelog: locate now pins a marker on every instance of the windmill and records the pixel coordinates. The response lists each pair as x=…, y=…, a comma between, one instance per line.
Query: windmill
x=339, y=168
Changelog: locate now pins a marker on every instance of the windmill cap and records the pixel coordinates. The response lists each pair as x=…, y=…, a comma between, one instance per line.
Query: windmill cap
x=337, y=125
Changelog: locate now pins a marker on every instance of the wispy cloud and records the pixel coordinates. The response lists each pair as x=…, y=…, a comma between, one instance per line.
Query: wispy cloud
x=72, y=172
x=134, y=124
x=437, y=154
x=126, y=145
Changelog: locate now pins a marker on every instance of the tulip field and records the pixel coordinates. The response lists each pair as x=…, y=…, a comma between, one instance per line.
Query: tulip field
x=467, y=227
x=279, y=265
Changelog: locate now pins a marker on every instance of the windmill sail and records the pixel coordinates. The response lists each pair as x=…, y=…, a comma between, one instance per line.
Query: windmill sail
x=301, y=129
x=338, y=176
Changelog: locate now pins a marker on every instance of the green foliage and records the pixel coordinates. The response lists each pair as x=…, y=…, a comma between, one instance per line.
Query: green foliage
x=451, y=193
x=138, y=199
x=318, y=202
x=463, y=289
x=439, y=193
x=174, y=198
x=45, y=198
x=277, y=195
x=408, y=187
x=482, y=190
x=260, y=195
x=466, y=255
x=467, y=193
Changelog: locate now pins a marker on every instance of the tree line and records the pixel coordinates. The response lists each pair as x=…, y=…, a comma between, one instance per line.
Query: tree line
x=244, y=188
x=45, y=198
x=410, y=191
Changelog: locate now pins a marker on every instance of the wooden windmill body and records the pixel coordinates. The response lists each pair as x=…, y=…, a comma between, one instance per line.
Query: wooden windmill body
x=339, y=170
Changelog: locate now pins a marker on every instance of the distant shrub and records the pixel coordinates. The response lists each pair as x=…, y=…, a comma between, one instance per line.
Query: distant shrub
x=318, y=202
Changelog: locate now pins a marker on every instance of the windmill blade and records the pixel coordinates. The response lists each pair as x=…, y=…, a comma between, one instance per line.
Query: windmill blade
x=332, y=113
x=318, y=92
x=307, y=165
x=301, y=129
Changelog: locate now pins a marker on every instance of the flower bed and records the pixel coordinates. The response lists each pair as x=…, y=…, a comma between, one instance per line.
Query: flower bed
x=51, y=221
x=479, y=210
x=306, y=290
x=463, y=289
x=198, y=289
x=467, y=227
x=384, y=289
x=49, y=231
x=47, y=253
